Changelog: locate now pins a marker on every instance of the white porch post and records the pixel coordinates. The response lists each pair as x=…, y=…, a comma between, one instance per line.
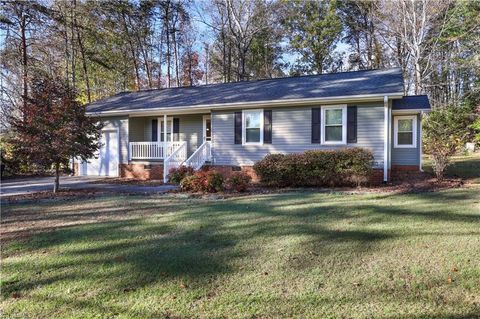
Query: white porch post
x=165, y=144
x=386, y=141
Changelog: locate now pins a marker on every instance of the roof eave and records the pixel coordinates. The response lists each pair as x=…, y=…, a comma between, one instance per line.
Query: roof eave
x=276, y=103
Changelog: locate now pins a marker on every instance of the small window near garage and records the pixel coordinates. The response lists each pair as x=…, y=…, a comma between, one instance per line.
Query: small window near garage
x=253, y=126
x=405, y=131
x=334, y=124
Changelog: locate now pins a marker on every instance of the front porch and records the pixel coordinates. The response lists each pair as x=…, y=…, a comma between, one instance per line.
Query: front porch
x=169, y=141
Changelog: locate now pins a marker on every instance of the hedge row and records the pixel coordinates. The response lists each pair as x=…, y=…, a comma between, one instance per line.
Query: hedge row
x=342, y=167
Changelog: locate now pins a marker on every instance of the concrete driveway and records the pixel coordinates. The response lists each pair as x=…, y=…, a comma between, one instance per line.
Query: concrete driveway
x=23, y=186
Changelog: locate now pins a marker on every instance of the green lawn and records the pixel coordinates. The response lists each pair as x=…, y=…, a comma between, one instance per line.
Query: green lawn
x=299, y=254
x=464, y=166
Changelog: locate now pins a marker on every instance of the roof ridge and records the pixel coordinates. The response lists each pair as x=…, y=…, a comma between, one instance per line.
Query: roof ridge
x=257, y=80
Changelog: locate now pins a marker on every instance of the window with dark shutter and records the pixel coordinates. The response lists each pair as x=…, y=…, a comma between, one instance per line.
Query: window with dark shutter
x=267, y=126
x=316, y=125
x=154, y=130
x=352, y=124
x=238, y=128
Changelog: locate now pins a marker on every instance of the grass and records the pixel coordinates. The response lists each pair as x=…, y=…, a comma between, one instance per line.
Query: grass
x=464, y=166
x=301, y=254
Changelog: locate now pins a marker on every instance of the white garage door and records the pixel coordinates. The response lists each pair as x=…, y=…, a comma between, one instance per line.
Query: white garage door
x=107, y=162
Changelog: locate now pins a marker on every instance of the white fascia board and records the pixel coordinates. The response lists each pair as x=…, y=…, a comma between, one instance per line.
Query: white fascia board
x=206, y=108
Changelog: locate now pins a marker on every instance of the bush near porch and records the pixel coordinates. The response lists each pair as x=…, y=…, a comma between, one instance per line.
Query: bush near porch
x=343, y=167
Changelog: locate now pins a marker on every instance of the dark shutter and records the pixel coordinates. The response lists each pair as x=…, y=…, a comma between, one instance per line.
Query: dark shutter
x=316, y=125
x=238, y=128
x=352, y=124
x=155, y=130
x=176, y=129
x=267, y=127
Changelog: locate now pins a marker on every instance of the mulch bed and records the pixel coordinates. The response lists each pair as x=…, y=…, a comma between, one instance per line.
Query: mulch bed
x=62, y=194
x=415, y=183
x=129, y=181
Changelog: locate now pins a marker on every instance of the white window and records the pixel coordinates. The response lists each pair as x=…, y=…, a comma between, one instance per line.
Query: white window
x=252, y=125
x=405, y=131
x=334, y=124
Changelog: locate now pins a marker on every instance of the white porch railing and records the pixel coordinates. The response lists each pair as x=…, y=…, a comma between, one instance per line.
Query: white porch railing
x=151, y=150
x=175, y=159
x=200, y=156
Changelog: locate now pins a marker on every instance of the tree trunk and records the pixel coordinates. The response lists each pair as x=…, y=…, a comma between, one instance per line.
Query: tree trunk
x=56, y=185
x=23, y=27
x=82, y=53
x=175, y=52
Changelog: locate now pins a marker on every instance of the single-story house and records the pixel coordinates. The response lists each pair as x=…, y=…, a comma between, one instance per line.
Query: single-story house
x=233, y=125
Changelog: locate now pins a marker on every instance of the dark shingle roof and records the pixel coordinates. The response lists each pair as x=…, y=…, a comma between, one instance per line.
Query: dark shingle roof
x=302, y=87
x=411, y=102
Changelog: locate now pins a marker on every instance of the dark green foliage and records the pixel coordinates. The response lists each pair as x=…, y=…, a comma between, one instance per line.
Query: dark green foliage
x=349, y=166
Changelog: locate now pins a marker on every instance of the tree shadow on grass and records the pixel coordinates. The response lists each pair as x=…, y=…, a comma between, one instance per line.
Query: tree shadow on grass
x=203, y=241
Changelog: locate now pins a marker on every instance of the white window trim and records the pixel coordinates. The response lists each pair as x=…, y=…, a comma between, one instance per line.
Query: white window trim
x=414, y=131
x=204, y=132
x=244, y=128
x=159, y=128
x=342, y=107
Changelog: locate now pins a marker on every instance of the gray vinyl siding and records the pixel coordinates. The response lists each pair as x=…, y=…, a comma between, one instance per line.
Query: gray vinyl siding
x=406, y=156
x=291, y=132
x=136, y=129
x=191, y=129
x=120, y=124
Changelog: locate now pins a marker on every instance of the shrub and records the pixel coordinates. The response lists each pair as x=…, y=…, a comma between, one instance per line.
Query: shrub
x=209, y=181
x=348, y=166
x=446, y=131
x=191, y=183
x=176, y=174
x=238, y=182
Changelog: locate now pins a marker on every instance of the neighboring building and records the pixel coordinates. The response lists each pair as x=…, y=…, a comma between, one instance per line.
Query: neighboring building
x=233, y=125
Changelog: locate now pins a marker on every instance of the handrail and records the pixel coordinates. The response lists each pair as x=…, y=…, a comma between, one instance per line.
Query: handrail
x=200, y=156
x=178, y=156
x=151, y=150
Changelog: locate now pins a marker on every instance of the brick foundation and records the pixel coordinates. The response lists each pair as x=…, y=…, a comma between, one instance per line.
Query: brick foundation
x=155, y=171
x=405, y=172
x=403, y=168
x=141, y=171
x=227, y=171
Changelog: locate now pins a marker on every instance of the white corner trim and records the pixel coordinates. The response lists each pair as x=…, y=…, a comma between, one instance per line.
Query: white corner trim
x=414, y=131
x=244, y=128
x=342, y=107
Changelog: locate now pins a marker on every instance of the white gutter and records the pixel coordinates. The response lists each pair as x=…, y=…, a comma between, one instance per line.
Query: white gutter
x=267, y=103
x=386, y=143
x=410, y=111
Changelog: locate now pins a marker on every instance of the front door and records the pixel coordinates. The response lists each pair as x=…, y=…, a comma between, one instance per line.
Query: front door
x=207, y=128
x=169, y=128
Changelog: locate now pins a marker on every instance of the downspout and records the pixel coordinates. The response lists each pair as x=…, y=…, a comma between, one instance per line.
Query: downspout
x=420, y=141
x=165, y=148
x=386, y=143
